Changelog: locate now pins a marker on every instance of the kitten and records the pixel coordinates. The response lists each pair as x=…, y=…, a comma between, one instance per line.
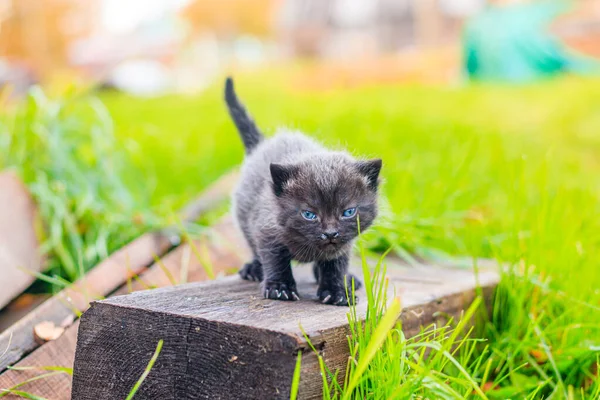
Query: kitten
x=296, y=200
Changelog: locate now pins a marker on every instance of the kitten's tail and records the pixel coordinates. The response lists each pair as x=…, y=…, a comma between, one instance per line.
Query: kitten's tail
x=249, y=133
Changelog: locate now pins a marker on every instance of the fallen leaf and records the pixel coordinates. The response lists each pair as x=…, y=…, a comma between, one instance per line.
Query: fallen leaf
x=23, y=301
x=539, y=355
x=486, y=387
x=589, y=381
x=47, y=331
x=138, y=219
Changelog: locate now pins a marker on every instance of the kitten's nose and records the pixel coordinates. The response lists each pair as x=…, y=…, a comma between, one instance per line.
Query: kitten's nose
x=330, y=235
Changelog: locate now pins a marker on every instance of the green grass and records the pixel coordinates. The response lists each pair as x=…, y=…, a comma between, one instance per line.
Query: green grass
x=384, y=364
x=503, y=172
x=92, y=200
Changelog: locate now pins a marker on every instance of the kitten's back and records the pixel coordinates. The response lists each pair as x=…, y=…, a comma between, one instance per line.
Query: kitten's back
x=254, y=188
x=285, y=147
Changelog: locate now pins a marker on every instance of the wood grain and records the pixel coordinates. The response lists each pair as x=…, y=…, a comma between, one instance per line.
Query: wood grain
x=223, y=340
x=104, y=278
x=56, y=353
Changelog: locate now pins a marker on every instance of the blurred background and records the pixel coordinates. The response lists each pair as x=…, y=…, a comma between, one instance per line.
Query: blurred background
x=157, y=46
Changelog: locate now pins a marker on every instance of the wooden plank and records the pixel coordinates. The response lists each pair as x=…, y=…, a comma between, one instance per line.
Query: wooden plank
x=103, y=279
x=20, y=307
x=18, y=240
x=56, y=353
x=218, y=248
x=223, y=337
x=221, y=250
x=211, y=197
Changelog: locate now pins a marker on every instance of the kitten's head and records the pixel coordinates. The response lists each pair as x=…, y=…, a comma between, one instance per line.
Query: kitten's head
x=322, y=199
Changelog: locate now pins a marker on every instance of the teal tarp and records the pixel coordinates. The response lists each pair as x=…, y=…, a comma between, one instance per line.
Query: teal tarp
x=513, y=43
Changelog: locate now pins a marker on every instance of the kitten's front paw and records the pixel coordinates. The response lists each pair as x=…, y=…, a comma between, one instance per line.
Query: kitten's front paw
x=280, y=291
x=336, y=297
x=252, y=271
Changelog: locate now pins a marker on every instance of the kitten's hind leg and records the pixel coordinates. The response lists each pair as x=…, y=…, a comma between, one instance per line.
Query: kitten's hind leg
x=349, y=278
x=316, y=271
x=357, y=282
x=252, y=271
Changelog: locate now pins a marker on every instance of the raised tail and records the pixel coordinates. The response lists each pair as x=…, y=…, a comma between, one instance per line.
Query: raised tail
x=249, y=133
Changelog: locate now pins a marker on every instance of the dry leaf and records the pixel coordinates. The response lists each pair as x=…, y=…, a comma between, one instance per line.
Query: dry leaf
x=486, y=387
x=23, y=301
x=539, y=355
x=47, y=331
x=589, y=381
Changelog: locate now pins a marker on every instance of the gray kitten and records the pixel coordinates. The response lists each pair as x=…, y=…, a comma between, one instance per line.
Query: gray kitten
x=297, y=200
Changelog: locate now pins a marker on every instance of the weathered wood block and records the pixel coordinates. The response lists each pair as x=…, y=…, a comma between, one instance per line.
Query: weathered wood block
x=223, y=341
x=18, y=241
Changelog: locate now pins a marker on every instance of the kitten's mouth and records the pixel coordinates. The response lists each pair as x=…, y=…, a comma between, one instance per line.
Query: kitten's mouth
x=331, y=246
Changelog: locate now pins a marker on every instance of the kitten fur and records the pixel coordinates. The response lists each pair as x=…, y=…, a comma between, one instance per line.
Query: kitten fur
x=281, y=178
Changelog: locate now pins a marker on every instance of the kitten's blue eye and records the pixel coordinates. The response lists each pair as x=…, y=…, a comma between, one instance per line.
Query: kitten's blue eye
x=349, y=213
x=309, y=215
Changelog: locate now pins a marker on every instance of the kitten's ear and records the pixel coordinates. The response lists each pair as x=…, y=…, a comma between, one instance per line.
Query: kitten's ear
x=281, y=174
x=370, y=169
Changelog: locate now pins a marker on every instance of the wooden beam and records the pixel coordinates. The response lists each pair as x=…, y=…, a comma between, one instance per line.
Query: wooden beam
x=222, y=338
x=219, y=248
x=103, y=279
x=221, y=251
x=211, y=197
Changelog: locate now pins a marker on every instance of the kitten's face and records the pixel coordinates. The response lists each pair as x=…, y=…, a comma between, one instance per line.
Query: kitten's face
x=322, y=201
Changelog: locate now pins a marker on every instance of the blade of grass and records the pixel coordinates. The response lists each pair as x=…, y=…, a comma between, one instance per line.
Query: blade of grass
x=146, y=371
x=296, y=378
x=200, y=256
x=379, y=336
x=322, y=367
x=445, y=353
x=7, y=346
x=165, y=270
x=66, y=370
x=24, y=395
x=25, y=382
x=54, y=280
